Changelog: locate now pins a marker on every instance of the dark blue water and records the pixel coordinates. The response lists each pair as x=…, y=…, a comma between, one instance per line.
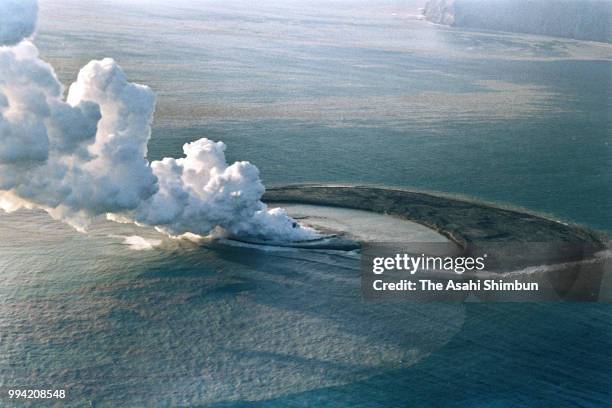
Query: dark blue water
x=359, y=93
x=504, y=356
x=214, y=326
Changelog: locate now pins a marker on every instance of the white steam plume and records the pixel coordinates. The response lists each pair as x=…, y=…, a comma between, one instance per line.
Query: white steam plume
x=17, y=20
x=86, y=156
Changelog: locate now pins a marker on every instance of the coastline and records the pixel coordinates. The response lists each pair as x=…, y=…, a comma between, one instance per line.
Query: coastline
x=463, y=222
x=565, y=258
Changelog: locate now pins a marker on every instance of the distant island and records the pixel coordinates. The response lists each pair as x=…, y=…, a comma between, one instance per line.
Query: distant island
x=577, y=19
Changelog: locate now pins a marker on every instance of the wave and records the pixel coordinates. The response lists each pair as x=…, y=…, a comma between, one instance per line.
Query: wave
x=334, y=242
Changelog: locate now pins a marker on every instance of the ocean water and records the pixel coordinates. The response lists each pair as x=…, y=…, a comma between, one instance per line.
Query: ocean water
x=362, y=92
x=358, y=92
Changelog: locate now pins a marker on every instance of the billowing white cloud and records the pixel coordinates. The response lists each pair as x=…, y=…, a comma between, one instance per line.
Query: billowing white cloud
x=86, y=156
x=17, y=20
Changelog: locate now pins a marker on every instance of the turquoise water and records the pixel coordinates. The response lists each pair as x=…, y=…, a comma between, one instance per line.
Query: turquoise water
x=217, y=326
x=350, y=92
x=364, y=93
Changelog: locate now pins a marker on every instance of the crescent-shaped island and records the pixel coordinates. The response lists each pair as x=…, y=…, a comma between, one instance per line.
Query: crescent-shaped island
x=572, y=259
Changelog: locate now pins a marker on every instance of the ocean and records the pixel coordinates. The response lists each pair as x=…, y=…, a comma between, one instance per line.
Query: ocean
x=342, y=92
